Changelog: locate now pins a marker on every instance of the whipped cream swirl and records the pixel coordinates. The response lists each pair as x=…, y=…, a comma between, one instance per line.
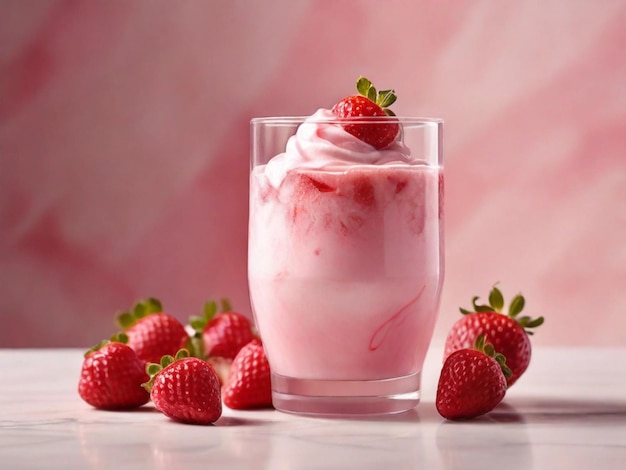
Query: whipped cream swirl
x=320, y=144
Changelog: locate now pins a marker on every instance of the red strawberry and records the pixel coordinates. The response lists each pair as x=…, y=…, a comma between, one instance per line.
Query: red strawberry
x=472, y=382
x=185, y=389
x=369, y=104
x=222, y=334
x=507, y=333
x=111, y=377
x=249, y=384
x=151, y=332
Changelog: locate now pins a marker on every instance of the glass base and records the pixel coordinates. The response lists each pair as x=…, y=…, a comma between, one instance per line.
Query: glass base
x=345, y=397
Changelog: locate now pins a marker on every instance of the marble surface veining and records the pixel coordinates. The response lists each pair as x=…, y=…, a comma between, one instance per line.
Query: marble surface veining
x=568, y=411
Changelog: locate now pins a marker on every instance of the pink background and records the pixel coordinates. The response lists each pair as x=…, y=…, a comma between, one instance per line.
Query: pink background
x=124, y=148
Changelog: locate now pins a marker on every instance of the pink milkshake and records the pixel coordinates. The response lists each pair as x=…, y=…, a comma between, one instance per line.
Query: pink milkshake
x=345, y=268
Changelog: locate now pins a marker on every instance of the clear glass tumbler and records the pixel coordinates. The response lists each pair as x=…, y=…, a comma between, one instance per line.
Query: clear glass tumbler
x=345, y=261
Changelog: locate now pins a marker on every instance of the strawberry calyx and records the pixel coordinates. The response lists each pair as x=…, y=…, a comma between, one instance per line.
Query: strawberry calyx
x=116, y=338
x=153, y=369
x=496, y=304
x=383, y=98
x=141, y=309
x=199, y=322
x=486, y=348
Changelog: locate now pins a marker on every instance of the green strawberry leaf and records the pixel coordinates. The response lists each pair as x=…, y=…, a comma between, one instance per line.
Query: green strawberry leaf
x=495, y=299
x=481, y=308
x=496, y=304
x=210, y=310
x=199, y=322
x=386, y=98
x=119, y=337
x=125, y=320
x=153, y=369
x=96, y=347
x=516, y=306
x=141, y=309
x=371, y=94
x=535, y=322
x=195, y=345
x=146, y=307
x=500, y=359
x=181, y=354
x=383, y=98
x=166, y=360
x=116, y=338
x=481, y=344
x=153, y=305
x=527, y=323
x=363, y=86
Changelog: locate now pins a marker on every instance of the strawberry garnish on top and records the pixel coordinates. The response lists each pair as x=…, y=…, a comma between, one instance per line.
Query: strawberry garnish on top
x=472, y=381
x=508, y=333
x=220, y=333
x=151, y=332
x=369, y=104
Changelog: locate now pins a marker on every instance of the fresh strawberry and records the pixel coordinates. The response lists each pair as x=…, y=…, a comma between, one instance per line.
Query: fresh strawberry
x=111, y=376
x=507, y=333
x=249, y=384
x=472, y=382
x=185, y=389
x=222, y=334
x=151, y=332
x=369, y=104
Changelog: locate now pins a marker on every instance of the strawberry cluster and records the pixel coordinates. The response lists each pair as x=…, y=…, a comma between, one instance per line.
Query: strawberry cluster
x=188, y=377
x=486, y=352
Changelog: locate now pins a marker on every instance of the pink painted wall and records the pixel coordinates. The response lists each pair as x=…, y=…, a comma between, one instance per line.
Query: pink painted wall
x=124, y=148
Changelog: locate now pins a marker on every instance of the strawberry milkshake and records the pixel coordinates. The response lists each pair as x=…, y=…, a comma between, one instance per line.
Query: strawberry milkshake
x=345, y=258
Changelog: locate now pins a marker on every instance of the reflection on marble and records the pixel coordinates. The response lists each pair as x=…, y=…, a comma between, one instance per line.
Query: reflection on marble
x=568, y=411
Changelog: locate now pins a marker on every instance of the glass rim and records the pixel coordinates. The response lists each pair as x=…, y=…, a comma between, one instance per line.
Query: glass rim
x=291, y=120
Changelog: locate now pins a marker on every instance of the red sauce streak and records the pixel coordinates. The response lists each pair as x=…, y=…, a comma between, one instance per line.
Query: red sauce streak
x=381, y=332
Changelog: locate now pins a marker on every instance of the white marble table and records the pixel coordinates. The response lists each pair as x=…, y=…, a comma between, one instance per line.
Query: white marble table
x=568, y=411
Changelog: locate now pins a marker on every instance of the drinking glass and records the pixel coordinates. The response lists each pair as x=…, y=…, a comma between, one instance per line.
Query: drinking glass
x=345, y=261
